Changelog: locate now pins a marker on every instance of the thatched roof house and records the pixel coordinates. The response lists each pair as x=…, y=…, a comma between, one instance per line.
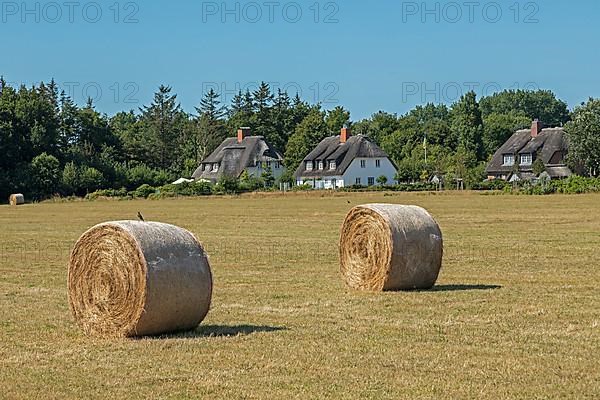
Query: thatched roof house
x=345, y=160
x=521, y=150
x=238, y=154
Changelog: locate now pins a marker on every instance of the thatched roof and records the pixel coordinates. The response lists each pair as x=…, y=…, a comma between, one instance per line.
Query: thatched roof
x=550, y=144
x=234, y=157
x=331, y=149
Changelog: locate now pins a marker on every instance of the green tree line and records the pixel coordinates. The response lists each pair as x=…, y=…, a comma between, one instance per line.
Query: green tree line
x=50, y=145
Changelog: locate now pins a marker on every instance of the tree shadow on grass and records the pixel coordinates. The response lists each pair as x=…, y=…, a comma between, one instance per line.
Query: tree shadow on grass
x=462, y=288
x=219, y=331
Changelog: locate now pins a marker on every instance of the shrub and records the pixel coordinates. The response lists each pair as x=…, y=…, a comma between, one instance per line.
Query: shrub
x=139, y=175
x=228, y=185
x=250, y=183
x=144, y=191
x=45, y=175
x=90, y=179
x=70, y=178
x=496, y=184
x=113, y=193
x=301, y=188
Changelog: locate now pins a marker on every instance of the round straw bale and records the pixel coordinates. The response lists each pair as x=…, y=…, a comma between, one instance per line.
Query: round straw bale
x=390, y=247
x=134, y=278
x=16, y=199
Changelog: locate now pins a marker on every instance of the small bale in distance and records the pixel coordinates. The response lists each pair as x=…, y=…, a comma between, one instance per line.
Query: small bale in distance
x=133, y=278
x=16, y=199
x=390, y=247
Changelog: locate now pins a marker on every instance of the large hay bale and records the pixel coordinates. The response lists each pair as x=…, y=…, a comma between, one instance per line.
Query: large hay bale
x=16, y=199
x=390, y=247
x=133, y=278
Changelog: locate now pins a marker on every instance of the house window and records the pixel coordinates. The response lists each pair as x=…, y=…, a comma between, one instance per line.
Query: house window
x=371, y=181
x=377, y=163
x=363, y=163
x=320, y=165
x=309, y=165
x=509, y=160
x=277, y=165
x=268, y=164
x=332, y=165
x=358, y=182
x=526, y=159
x=215, y=167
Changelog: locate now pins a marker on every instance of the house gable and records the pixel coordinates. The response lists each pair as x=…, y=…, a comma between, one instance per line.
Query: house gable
x=524, y=146
x=235, y=155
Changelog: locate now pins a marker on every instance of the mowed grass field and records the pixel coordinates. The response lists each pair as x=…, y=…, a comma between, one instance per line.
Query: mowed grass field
x=516, y=313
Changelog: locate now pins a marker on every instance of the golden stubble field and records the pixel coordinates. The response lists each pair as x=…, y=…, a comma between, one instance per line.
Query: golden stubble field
x=516, y=313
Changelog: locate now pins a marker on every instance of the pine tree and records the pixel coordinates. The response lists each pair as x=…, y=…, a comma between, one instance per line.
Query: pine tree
x=164, y=120
x=240, y=111
x=68, y=125
x=210, y=105
x=282, y=118
x=336, y=119
x=237, y=104
x=210, y=127
x=262, y=120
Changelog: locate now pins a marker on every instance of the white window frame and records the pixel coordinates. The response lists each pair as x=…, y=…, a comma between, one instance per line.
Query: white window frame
x=509, y=157
x=371, y=181
x=528, y=157
x=363, y=163
x=321, y=166
x=309, y=165
x=377, y=163
x=358, y=182
x=215, y=167
x=332, y=165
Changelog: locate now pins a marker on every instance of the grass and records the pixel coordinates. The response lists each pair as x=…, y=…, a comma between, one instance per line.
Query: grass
x=515, y=313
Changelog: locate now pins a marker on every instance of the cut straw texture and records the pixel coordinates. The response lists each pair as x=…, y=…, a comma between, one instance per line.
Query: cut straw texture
x=16, y=199
x=390, y=247
x=133, y=278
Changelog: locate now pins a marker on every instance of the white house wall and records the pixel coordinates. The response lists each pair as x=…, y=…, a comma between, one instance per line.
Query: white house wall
x=370, y=171
x=354, y=171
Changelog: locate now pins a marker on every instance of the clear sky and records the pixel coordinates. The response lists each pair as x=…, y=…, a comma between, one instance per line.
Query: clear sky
x=384, y=55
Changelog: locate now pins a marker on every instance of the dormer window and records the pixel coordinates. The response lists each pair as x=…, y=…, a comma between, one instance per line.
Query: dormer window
x=309, y=165
x=332, y=165
x=509, y=160
x=321, y=166
x=526, y=159
x=215, y=167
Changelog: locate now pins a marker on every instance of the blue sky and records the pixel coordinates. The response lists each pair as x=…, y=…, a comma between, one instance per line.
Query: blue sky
x=391, y=55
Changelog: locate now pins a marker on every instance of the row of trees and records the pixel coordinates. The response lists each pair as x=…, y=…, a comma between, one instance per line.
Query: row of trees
x=51, y=145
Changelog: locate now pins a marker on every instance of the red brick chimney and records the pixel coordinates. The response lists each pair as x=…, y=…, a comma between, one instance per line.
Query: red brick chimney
x=243, y=133
x=536, y=128
x=345, y=134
